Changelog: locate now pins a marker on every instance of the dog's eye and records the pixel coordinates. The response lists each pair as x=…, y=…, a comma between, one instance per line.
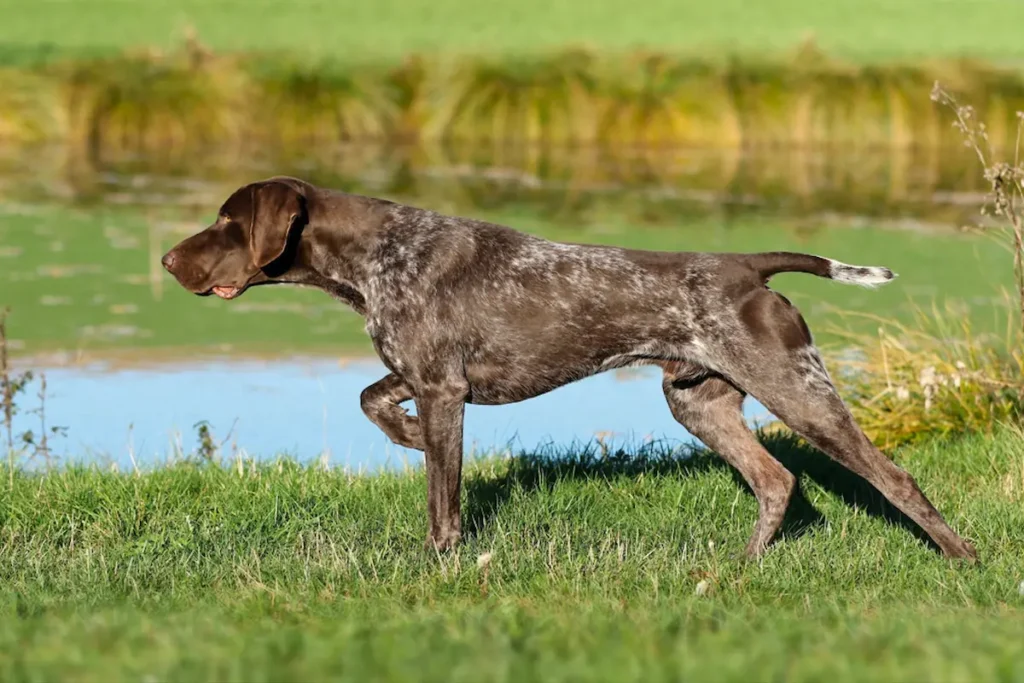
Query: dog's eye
x=224, y=217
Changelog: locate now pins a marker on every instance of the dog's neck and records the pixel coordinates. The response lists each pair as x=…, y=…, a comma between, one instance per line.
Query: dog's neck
x=337, y=244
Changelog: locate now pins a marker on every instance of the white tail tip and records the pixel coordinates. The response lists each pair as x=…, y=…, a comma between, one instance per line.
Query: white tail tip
x=864, y=276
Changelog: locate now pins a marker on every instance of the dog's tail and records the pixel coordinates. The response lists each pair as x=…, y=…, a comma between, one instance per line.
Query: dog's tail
x=774, y=262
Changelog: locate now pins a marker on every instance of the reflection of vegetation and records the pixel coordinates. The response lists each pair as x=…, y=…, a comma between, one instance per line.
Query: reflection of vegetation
x=91, y=278
x=191, y=98
x=811, y=186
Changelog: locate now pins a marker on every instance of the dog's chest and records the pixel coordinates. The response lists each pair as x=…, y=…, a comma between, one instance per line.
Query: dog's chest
x=384, y=344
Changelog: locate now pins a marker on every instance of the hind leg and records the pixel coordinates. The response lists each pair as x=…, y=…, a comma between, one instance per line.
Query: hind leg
x=790, y=379
x=711, y=409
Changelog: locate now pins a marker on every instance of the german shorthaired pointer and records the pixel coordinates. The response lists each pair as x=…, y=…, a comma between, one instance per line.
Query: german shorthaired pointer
x=462, y=311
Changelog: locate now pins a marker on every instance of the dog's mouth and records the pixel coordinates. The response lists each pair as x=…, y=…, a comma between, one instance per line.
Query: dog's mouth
x=225, y=292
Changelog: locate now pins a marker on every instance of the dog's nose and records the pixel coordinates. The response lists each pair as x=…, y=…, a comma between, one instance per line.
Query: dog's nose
x=168, y=260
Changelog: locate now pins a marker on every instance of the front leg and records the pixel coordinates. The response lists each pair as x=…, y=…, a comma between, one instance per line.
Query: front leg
x=441, y=409
x=381, y=403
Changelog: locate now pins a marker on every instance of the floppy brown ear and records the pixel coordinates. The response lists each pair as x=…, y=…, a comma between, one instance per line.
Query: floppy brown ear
x=275, y=207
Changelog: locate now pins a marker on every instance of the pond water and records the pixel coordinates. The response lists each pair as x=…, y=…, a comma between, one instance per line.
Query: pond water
x=134, y=363
x=309, y=408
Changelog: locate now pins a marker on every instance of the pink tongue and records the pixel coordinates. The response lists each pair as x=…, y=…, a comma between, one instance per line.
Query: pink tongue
x=226, y=292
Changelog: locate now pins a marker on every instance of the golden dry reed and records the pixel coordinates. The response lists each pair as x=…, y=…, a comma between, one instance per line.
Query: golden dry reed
x=162, y=104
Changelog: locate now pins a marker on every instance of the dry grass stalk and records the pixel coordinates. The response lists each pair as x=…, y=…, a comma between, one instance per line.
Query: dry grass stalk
x=1006, y=179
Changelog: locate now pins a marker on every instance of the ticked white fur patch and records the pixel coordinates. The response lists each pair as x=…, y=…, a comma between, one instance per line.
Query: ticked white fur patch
x=864, y=276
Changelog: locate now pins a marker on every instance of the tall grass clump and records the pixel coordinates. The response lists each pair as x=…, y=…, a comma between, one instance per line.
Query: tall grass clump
x=151, y=102
x=298, y=103
x=931, y=377
x=548, y=100
x=154, y=105
x=658, y=101
x=30, y=111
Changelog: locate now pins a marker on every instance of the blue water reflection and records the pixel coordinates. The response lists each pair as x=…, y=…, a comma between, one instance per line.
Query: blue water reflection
x=310, y=409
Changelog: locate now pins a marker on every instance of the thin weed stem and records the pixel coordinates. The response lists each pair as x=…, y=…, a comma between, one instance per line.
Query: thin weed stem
x=1006, y=180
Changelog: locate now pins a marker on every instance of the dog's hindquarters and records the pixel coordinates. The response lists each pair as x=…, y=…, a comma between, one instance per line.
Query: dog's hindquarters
x=788, y=377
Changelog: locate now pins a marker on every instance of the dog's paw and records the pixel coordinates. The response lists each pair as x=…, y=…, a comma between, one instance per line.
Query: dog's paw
x=962, y=551
x=442, y=542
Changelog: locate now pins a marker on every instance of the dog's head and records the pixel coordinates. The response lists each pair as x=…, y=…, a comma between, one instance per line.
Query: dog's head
x=252, y=242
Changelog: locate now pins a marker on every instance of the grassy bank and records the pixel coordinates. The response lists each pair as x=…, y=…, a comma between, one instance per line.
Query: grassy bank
x=174, y=105
x=390, y=29
x=275, y=572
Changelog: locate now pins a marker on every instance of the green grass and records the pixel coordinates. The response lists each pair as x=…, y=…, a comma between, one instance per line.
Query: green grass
x=276, y=572
x=390, y=29
x=88, y=279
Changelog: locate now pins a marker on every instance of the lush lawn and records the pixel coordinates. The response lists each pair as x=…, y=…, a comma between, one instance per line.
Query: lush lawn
x=390, y=29
x=281, y=573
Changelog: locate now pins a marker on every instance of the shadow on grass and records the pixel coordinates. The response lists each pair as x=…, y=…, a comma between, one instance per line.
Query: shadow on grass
x=535, y=471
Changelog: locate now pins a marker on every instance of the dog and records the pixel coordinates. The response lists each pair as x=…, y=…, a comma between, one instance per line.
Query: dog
x=464, y=311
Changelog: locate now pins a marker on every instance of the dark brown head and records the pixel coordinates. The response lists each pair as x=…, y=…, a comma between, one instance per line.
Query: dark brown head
x=252, y=241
